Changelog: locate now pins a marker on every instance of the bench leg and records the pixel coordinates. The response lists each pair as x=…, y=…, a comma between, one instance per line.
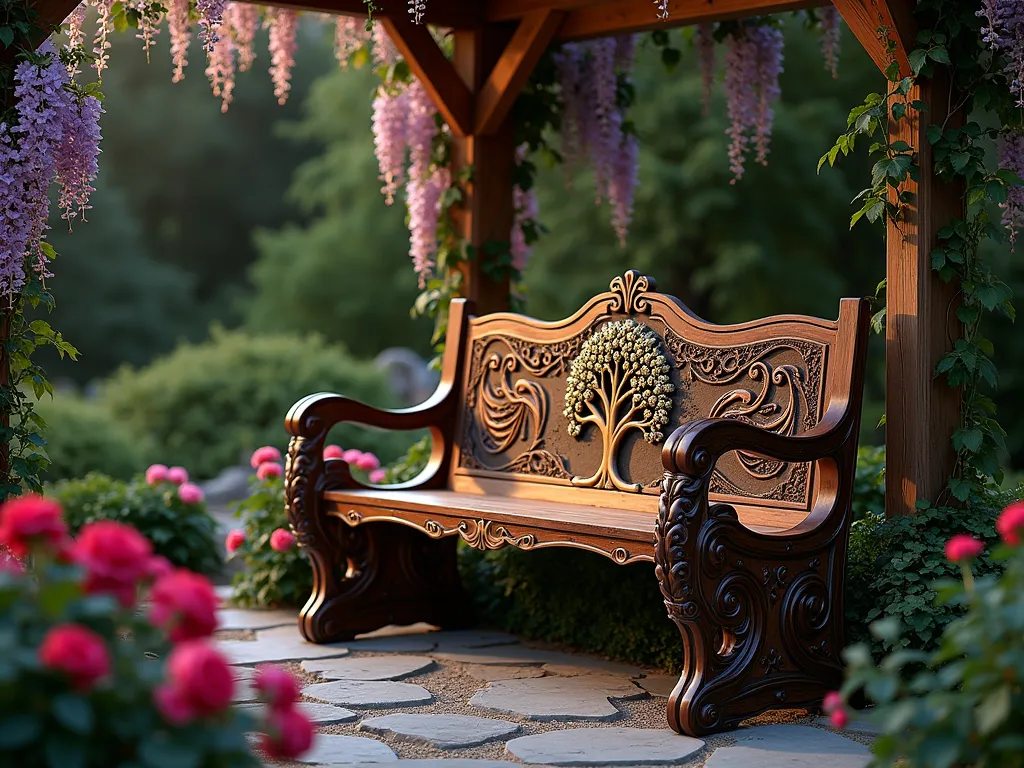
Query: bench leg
x=365, y=576
x=761, y=617
x=381, y=574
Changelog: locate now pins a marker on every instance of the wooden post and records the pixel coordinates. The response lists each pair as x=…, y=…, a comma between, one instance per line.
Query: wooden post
x=486, y=214
x=921, y=325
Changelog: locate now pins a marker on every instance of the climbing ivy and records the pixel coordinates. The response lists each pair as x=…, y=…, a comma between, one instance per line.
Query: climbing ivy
x=949, y=47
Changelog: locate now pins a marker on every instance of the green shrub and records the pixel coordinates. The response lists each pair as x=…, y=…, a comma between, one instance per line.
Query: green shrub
x=183, y=533
x=81, y=437
x=869, y=481
x=209, y=405
x=893, y=563
x=960, y=704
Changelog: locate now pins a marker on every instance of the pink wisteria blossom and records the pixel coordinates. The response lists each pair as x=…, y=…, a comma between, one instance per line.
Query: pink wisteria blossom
x=180, y=31
x=349, y=36
x=244, y=19
x=284, y=24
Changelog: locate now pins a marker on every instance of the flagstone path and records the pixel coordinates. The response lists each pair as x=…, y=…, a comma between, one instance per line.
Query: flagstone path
x=482, y=699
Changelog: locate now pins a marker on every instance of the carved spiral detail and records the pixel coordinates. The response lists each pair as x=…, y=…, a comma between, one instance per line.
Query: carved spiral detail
x=807, y=605
x=678, y=505
x=301, y=466
x=628, y=292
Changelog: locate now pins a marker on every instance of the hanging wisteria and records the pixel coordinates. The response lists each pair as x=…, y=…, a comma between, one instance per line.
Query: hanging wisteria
x=1004, y=33
x=55, y=138
x=830, y=26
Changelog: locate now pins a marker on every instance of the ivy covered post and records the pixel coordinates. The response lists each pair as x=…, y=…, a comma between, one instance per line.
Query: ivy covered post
x=921, y=326
x=922, y=410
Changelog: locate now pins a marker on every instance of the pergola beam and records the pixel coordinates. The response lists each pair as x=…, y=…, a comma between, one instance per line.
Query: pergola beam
x=435, y=72
x=513, y=69
x=885, y=29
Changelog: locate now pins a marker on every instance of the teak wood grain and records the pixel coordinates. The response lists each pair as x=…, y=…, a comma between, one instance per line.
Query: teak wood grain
x=635, y=430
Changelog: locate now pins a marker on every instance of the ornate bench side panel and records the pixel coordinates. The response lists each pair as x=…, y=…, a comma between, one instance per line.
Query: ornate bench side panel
x=586, y=402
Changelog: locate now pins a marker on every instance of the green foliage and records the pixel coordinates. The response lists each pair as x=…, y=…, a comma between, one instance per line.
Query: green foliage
x=81, y=437
x=269, y=578
x=960, y=704
x=869, y=481
x=46, y=722
x=26, y=384
x=183, y=533
x=893, y=563
x=209, y=405
x=622, y=617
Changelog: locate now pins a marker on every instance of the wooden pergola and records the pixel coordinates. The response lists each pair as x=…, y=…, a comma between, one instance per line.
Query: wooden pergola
x=497, y=43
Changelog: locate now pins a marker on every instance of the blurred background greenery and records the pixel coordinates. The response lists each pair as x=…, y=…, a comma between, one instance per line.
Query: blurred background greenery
x=268, y=220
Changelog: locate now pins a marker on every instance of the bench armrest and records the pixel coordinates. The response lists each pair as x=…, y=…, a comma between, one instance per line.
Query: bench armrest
x=694, y=448
x=318, y=413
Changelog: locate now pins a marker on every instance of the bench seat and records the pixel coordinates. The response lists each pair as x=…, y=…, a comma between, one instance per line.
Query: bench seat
x=723, y=455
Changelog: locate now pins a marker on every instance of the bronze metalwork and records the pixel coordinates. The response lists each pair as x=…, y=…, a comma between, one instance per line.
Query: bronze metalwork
x=744, y=510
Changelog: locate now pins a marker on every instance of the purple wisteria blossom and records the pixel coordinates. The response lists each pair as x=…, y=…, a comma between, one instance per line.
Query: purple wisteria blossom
x=1004, y=33
x=829, y=24
x=1011, y=157
x=77, y=159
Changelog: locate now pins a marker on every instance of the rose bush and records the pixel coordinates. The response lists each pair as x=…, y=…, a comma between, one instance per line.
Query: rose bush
x=88, y=678
x=172, y=515
x=276, y=571
x=963, y=703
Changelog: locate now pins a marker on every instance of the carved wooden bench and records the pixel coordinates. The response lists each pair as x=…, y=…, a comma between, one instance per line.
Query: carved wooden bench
x=724, y=454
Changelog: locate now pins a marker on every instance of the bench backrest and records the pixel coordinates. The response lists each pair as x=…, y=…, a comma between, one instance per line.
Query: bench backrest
x=577, y=410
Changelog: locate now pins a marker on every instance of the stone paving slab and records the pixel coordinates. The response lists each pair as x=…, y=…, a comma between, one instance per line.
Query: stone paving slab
x=319, y=714
x=358, y=693
x=498, y=672
x=856, y=724
x=518, y=655
x=413, y=643
x=236, y=618
x=391, y=630
x=334, y=749
x=658, y=684
x=368, y=667
x=605, y=746
x=454, y=762
x=451, y=640
x=442, y=731
x=789, y=746
x=558, y=698
x=275, y=649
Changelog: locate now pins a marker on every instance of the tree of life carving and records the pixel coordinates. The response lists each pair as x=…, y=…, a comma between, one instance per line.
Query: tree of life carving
x=618, y=382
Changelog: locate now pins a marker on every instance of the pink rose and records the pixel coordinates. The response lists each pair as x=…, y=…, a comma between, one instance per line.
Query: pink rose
x=157, y=473
x=1010, y=524
x=368, y=462
x=379, y=476
x=263, y=455
x=31, y=519
x=276, y=686
x=190, y=493
x=351, y=456
x=9, y=563
x=289, y=734
x=201, y=678
x=333, y=452
x=76, y=651
x=268, y=470
x=184, y=605
x=115, y=557
x=234, y=540
x=833, y=700
x=177, y=475
x=963, y=547
x=839, y=718
x=282, y=540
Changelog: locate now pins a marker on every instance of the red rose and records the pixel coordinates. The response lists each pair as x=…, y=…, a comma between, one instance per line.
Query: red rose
x=201, y=677
x=833, y=700
x=158, y=567
x=184, y=604
x=839, y=718
x=1010, y=523
x=172, y=705
x=78, y=652
x=963, y=547
x=290, y=733
x=234, y=540
x=31, y=519
x=276, y=686
x=115, y=558
x=281, y=540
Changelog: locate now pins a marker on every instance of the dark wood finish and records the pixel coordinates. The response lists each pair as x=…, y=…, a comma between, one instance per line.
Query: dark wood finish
x=538, y=432
x=922, y=412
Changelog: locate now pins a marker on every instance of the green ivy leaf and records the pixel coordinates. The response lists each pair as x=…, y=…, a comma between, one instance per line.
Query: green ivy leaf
x=6, y=36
